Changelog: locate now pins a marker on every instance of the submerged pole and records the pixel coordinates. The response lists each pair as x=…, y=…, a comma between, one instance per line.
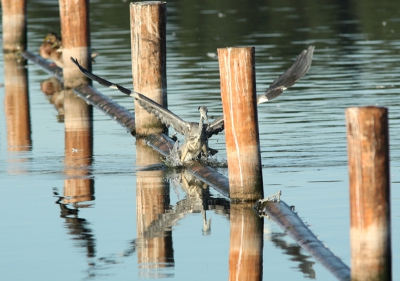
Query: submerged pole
x=148, y=28
x=239, y=100
x=74, y=16
x=368, y=156
x=14, y=25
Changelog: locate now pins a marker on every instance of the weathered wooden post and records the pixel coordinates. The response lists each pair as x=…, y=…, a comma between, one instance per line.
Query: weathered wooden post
x=74, y=16
x=368, y=156
x=78, y=120
x=148, y=28
x=238, y=91
x=14, y=25
x=246, y=243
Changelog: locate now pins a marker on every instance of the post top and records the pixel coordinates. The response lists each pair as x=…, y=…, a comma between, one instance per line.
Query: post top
x=148, y=3
x=237, y=47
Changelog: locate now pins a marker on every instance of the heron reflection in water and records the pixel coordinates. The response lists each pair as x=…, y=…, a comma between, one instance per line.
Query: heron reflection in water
x=197, y=134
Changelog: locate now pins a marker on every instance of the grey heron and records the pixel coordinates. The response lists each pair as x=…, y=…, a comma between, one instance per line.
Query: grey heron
x=197, y=134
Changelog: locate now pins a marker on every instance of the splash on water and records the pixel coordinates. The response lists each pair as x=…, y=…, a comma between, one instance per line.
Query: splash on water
x=173, y=159
x=214, y=161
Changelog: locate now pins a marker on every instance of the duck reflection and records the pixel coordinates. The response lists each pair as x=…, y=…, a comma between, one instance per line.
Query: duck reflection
x=77, y=227
x=54, y=92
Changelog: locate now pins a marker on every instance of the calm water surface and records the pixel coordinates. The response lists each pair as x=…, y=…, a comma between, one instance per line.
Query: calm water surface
x=115, y=236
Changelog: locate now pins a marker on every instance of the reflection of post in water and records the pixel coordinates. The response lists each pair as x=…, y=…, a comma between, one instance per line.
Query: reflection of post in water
x=154, y=251
x=16, y=103
x=78, y=228
x=246, y=243
x=78, y=149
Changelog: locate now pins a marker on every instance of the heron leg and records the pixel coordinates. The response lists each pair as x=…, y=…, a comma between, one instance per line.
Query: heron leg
x=184, y=152
x=205, y=150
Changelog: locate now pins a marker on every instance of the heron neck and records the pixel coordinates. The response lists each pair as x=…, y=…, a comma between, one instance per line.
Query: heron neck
x=200, y=130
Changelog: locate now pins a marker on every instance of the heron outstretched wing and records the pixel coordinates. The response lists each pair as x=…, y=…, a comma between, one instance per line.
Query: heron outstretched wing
x=299, y=68
x=164, y=115
x=215, y=127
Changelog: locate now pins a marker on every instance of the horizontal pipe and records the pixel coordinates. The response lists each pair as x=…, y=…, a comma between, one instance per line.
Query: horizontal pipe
x=117, y=112
x=293, y=226
x=48, y=66
x=159, y=142
x=163, y=144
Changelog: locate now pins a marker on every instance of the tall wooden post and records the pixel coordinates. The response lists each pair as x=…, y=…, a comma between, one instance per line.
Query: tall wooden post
x=246, y=243
x=368, y=156
x=148, y=21
x=239, y=100
x=78, y=119
x=75, y=33
x=14, y=25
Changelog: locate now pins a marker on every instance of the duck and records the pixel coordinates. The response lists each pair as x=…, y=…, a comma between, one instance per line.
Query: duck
x=52, y=48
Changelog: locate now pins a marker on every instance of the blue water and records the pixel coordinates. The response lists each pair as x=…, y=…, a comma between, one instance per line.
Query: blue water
x=302, y=138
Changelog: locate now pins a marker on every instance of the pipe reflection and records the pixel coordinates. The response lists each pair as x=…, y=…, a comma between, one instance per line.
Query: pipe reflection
x=295, y=252
x=16, y=103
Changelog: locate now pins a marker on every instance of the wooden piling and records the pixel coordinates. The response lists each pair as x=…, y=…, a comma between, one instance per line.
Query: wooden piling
x=148, y=28
x=239, y=100
x=368, y=156
x=246, y=243
x=74, y=16
x=16, y=103
x=14, y=25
